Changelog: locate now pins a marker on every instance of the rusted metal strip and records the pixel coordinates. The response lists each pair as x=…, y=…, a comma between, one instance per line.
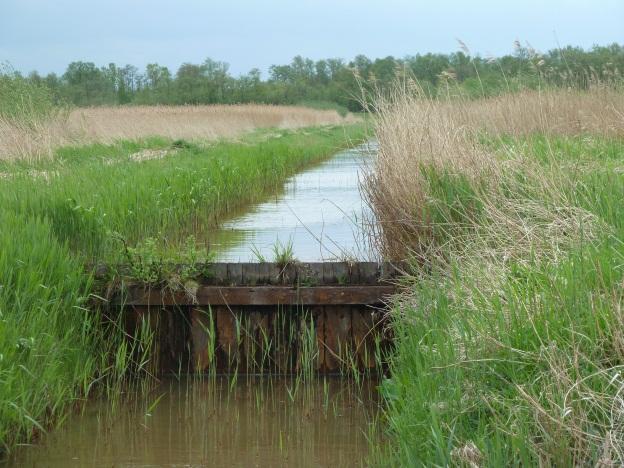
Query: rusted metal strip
x=263, y=296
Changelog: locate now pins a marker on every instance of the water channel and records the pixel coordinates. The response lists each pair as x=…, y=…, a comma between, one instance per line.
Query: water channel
x=249, y=421
x=320, y=213
x=218, y=422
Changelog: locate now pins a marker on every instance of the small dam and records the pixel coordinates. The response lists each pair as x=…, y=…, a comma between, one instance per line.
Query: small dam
x=264, y=318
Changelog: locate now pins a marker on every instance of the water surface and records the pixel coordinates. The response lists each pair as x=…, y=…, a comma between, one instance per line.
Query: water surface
x=320, y=212
x=218, y=422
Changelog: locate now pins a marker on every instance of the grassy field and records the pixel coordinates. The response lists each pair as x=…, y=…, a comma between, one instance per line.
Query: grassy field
x=509, y=333
x=103, y=202
x=40, y=128
x=93, y=196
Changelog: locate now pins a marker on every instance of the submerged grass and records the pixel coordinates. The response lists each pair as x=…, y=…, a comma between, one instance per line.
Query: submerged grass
x=103, y=203
x=508, y=341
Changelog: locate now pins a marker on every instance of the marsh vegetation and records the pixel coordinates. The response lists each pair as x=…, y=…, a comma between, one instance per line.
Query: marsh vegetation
x=508, y=333
x=500, y=182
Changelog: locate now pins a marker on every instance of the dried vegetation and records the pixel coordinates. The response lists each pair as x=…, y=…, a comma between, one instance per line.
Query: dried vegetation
x=38, y=138
x=509, y=335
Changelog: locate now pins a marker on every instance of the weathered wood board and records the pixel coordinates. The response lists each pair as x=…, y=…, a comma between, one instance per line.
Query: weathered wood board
x=263, y=318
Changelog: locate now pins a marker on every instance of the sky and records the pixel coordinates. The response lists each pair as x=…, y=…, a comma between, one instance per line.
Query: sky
x=47, y=35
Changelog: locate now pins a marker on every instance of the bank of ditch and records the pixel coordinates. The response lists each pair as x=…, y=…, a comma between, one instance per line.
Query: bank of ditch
x=139, y=200
x=508, y=336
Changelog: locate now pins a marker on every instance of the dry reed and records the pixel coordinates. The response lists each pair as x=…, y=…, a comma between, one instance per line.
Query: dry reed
x=107, y=124
x=416, y=132
x=453, y=190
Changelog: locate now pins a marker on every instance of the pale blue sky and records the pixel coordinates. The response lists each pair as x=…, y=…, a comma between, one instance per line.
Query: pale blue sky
x=47, y=35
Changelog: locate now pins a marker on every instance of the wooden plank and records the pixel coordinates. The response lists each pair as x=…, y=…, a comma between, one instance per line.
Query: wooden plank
x=268, y=272
x=310, y=274
x=252, y=274
x=272, y=295
x=283, y=335
x=266, y=295
x=255, y=339
x=235, y=274
x=364, y=333
x=226, y=338
x=202, y=340
x=261, y=274
x=173, y=337
x=219, y=272
x=335, y=273
x=318, y=316
x=338, y=343
x=369, y=272
x=168, y=351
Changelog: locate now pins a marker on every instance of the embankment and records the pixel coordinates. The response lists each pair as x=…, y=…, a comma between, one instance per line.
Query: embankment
x=509, y=340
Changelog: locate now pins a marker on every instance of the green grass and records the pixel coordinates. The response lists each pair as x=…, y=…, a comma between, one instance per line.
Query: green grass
x=46, y=341
x=96, y=203
x=93, y=196
x=518, y=361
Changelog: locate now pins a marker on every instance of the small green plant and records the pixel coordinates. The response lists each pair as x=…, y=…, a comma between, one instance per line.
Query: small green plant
x=257, y=253
x=195, y=261
x=151, y=263
x=181, y=144
x=144, y=261
x=283, y=254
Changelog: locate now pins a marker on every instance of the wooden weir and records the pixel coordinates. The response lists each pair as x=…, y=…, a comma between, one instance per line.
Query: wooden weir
x=266, y=318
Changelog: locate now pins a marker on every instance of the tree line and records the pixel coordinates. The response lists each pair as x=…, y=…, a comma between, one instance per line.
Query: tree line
x=327, y=82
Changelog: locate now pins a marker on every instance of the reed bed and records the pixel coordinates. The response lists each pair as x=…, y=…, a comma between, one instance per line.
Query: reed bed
x=508, y=337
x=451, y=135
x=34, y=139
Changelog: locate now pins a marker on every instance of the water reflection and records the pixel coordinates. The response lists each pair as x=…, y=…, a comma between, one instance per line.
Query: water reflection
x=219, y=422
x=320, y=211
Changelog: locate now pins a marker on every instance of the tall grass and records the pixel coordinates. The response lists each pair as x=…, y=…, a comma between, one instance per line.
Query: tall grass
x=30, y=119
x=97, y=195
x=33, y=138
x=508, y=341
x=448, y=136
x=46, y=333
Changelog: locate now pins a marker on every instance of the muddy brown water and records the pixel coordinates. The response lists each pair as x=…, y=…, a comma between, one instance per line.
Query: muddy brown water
x=219, y=422
x=250, y=421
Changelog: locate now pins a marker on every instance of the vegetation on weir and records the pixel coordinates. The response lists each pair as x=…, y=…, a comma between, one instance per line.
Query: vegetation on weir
x=509, y=332
x=112, y=202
